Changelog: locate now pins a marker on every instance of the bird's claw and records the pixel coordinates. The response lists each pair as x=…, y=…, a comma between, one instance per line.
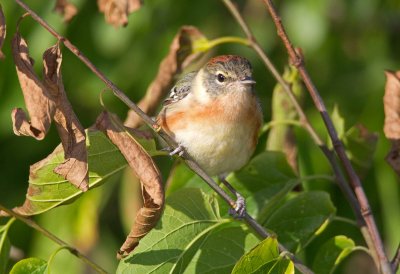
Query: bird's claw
x=180, y=150
x=240, y=208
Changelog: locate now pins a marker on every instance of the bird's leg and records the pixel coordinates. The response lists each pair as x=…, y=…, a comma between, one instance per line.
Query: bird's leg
x=240, y=206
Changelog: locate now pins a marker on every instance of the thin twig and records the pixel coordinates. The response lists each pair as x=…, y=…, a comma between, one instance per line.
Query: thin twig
x=55, y=239
x=151, y=123
x=366, y=212
x=396, y=260
x=340, y=179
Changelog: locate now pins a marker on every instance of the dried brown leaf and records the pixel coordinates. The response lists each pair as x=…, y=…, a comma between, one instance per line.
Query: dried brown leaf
x=38, y=101
x=71, y=132
x=66, y=9
x=116, y=11
x=180, y=54
x=148, y=174
x=391, y=103
x=46, y=101
x=2, y=31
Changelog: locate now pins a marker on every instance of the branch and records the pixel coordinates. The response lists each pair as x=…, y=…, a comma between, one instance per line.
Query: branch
x=168, y=139
x=362, y=199
x=396, y=260
x=55, y=239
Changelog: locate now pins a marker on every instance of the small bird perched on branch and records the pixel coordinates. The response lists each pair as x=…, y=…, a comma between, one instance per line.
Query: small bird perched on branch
x=215, y=116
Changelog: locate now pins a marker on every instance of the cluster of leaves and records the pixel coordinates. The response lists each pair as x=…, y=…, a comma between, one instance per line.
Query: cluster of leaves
x=193, y=234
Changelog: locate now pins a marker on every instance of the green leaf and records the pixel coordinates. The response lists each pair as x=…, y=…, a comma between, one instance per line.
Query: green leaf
x=4, y=245
x=191, y=237
x=332, y=253
x=258, y=257
x=301, y=218
x=181, y=176
x=283, y=109
x=30, y=266
x=264, y=181
x=281, y=266
x=339, y=123
x=264, y=258
x=47, y=189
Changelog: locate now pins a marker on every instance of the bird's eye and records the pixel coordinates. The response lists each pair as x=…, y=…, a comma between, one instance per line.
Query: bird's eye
x=221, y=78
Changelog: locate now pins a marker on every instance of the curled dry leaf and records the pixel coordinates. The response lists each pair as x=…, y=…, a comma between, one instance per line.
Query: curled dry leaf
x=71, y=132
x=45, y=101
x=391, y=102
x=148, y=173
x=181, y=54
x=38, y=101
x=116, y=11
x=66, y=9
x=2, y=31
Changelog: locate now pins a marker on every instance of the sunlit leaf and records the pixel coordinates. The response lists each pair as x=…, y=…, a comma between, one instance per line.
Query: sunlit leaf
x=47, y=189
x=281, y=266
x=191, y=237
x=259, y=256
x=332, y=253
x=30, y=266
x=264, y=258
x=300, y=218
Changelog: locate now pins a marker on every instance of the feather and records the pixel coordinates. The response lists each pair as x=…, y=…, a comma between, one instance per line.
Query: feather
x=181, y=89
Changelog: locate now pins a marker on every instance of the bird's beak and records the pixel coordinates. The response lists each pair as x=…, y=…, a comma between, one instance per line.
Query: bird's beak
x=247, y=81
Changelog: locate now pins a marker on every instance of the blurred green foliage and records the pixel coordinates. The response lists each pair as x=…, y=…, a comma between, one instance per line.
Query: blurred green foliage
x=347, y=46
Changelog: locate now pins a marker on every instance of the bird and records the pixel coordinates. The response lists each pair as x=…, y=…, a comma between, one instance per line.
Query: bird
x=215, y=116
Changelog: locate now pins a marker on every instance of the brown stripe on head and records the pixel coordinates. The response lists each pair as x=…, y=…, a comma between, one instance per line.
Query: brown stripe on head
x=228, y=63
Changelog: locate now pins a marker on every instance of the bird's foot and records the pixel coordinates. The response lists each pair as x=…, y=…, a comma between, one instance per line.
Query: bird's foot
x=180, y=150
x=240, y=207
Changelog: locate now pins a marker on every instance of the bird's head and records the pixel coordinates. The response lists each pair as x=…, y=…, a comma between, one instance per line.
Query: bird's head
x=227, y=73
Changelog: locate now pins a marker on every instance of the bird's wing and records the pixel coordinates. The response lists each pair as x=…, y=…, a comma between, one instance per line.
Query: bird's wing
x=181, y=89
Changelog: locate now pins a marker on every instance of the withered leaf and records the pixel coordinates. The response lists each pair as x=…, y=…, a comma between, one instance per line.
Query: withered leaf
x=46, y=101
x=116, y=11
x=148, y=174
x=38, y=101
x=66, y=9
x=180, y=55
x=391, y=103
x=2, y=31
x=71, y=132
